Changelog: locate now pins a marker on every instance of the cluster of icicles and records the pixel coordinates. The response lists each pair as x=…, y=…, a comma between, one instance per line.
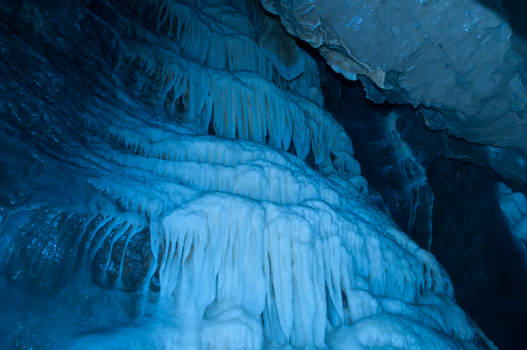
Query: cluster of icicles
x=208, y=71
x=249, y=247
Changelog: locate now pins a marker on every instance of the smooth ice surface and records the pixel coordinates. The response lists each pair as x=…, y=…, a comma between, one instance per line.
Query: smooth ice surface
x=182, y=188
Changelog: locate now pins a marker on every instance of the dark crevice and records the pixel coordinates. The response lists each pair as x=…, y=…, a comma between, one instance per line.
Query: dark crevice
x=472, y=242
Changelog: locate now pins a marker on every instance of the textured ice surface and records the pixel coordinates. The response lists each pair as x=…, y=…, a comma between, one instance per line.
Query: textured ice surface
x=125, y=226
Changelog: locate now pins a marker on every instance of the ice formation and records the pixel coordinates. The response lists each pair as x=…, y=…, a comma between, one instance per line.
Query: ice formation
x=209, y=188
x=513, y=206
x=418, y=193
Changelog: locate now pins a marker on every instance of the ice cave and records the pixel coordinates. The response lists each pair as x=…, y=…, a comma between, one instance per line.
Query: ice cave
x=263, y=174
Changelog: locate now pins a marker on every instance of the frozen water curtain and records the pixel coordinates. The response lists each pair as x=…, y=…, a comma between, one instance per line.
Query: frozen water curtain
x=194, y=194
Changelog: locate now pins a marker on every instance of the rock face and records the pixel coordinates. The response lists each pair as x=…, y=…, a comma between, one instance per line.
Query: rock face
x=458, y=61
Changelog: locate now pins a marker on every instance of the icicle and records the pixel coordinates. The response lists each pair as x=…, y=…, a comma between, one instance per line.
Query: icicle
x=229, y=121
x=103, y=223
x=81, y=236
x=260, y=117
x=207, y=113
x=125, y=228
x=102, y=240
x=272, y=118
x=287, y=129
x=280, y=265
x=242, y=121
x=119, y=280
x=218, y=118
x=300, y=135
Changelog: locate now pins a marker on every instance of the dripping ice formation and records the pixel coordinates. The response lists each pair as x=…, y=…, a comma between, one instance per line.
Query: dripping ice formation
x=228, y=79
x=194, y=194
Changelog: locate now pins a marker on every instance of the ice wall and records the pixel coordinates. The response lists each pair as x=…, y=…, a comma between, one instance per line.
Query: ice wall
x=180, y=187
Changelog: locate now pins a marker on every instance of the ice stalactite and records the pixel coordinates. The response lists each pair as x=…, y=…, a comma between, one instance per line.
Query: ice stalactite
x=416, y=194
x=229, y=81
x=221, y=241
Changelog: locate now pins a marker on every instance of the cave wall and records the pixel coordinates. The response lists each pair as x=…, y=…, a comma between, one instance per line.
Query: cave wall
x=173, y=180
